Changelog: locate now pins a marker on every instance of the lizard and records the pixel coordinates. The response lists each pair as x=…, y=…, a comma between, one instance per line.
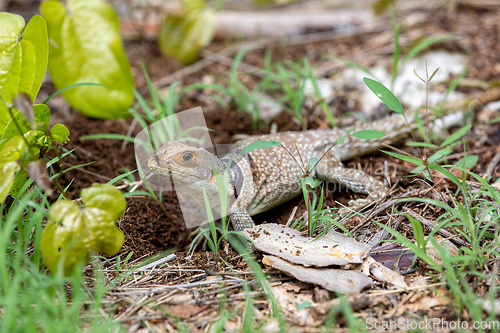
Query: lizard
x=267, y=177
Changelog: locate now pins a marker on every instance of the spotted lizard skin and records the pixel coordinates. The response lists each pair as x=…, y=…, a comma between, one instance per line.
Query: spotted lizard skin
x=267, y=177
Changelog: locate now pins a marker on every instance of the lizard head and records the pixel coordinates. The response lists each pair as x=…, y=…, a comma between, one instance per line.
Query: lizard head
x=183, y=164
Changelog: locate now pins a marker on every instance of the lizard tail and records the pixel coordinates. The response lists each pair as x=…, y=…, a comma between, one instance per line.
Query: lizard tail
x=396, y=127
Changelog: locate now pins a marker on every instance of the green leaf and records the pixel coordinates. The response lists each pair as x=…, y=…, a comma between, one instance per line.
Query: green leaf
x=303, y=305
x=23, y=59
x=42, y=117
x=418, y=232
x=36, y=138
x=60, y=133
x=409, y=159
x=385, y=95
x=455, y=136
x=86, y=48
x=468, y=161
x=35, y=36
x=494, y=121
x=313, y=161
x=369, y=134
x=259, y=145
x=414, y=248
x=397, y=49
x=7, y=174
x=421, y=144
x=310, y=181
x=181, y=37
x=112, y=136
x=105, y=197
x=425, y=44
x=418, y=169
x=344, y=137
x=353, y=65
x=72, y=86
x=73, y=233
x=13, y=150
x=19, y=181
x=9, y=127
x=439, y=154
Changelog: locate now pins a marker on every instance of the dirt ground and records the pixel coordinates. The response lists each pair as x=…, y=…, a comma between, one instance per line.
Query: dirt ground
x=152, y=227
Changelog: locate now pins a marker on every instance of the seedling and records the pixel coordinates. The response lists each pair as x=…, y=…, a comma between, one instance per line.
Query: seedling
x=316, y=216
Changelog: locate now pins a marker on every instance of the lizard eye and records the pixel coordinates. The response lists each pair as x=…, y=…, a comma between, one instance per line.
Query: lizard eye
x=187, y=158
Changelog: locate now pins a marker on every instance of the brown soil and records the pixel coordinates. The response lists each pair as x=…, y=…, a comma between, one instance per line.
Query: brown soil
x=151, y=227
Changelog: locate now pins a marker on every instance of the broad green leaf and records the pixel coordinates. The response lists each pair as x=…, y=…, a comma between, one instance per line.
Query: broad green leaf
x=310, y=181
x=86, y=48
x=181, y=37
x=369, y=134
x=35, y=36
x=105, y=197
x=23, y=59
x=19, y=181
x=7, y=174
x=73, y=233
x=42, y=117
x=36, y=139
x=468, y=161
x=385, y=95
x=12, y=125
x=313, y=161
x=60, y=133
x=259, y=145
x=12, y=150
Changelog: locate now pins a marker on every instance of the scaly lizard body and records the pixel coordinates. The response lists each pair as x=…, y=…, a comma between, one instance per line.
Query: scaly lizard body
x=268, y=177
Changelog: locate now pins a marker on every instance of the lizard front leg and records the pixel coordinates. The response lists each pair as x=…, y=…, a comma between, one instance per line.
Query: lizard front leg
x=240, y=218
x=330, y=168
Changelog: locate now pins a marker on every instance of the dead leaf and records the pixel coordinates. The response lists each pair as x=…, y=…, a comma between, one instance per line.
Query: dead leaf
x=24, y=105
x=38, y=172
x=332, y=249
x=370, y=266
x=432, y=252
x=337, y=280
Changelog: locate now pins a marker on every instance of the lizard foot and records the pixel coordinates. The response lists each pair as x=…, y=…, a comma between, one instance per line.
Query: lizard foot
x=353, y=206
